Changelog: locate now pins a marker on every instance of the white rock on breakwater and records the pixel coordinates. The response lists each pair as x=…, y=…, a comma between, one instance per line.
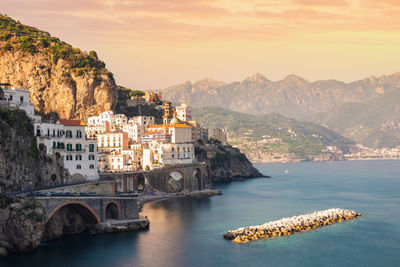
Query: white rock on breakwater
x=288, y=226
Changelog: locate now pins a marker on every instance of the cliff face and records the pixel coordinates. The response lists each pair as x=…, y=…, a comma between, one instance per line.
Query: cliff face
x=22, y=164
x=21, y=224
x=56, y=89
x=227, y=163
x=61, y=79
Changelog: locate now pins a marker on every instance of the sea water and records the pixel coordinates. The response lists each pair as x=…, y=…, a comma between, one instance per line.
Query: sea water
x=188, y=232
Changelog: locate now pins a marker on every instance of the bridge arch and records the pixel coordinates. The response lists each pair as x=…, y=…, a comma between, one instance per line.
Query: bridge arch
x=197, y=179
x=112, y=210
x=90, y=210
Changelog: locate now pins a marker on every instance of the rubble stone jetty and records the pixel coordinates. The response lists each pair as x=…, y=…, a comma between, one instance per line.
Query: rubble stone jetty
x=289, y=226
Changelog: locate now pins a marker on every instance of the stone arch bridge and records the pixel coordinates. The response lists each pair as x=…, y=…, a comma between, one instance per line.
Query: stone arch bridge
x=96, y=209
x=169, y=179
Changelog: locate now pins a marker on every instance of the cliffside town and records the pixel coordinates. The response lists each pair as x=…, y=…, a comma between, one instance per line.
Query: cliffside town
x=114, y=143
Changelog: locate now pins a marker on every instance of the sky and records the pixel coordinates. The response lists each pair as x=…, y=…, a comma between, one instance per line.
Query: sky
x=152, y=44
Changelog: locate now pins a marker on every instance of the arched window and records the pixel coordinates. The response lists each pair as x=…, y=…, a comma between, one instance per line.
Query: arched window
x=78, y=167
x=91, y=166
x=38, y=130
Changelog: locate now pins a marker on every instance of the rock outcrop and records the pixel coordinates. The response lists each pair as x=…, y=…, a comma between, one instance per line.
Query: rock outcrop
x=61, y=79
x=227, y=163
x=21, y=224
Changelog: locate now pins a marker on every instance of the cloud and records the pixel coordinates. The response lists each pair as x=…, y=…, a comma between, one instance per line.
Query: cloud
x=321, y=2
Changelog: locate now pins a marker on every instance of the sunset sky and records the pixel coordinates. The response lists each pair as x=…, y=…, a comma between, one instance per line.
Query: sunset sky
x=151, y=44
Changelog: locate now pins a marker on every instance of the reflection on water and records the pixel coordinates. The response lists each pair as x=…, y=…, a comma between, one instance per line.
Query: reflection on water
x=188, y=232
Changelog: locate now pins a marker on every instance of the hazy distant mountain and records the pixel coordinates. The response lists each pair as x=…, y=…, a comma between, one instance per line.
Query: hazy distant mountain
x=375, y=123
x=293, y=96
x=367, y=111
x=265, y=137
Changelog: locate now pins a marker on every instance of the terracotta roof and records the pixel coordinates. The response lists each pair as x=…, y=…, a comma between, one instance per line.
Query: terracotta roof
x=72, y=122
x=176, y=125
x=155, y=126
x=179, y=125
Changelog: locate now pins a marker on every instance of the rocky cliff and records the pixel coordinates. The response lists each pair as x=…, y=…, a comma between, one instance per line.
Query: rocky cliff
x=227, y=163
x=61, y=79
x=22, y=165
x=21, y=224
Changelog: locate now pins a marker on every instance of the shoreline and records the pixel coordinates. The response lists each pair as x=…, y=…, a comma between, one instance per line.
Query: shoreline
x=295, y=161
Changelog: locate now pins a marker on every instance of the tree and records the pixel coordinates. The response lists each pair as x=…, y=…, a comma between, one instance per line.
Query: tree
x=135, y=93
x=93, y=54
x=147, y=168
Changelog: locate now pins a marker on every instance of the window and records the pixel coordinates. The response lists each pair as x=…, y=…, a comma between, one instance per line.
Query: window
x=21, y=99
x=91, y=147
x=91, y=166
x=69, y=147
x=11, y=98
x=78, y=134
x=173, y=149
x=68, y=134
x=78, y=157
x=91, y=157
x=173, y=156
x=54, y=145
x=78, y=167
x=78, y=147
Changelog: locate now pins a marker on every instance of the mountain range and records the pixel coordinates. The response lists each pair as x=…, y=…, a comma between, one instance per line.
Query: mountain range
x=365, y=110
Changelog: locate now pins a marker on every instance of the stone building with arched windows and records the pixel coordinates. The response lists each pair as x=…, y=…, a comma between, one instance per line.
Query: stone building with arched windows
x=68, y=139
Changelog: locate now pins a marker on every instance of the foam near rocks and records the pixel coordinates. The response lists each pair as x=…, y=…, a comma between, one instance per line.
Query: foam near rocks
x=288, y=226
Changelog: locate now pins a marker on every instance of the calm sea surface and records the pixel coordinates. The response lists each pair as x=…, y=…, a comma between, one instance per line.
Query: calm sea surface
x=188, y=232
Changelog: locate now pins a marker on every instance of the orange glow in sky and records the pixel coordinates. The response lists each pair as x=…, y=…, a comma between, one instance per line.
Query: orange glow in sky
x=151, y=44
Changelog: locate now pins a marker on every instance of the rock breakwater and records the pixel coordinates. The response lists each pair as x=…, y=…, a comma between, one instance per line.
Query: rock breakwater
x=289, y=226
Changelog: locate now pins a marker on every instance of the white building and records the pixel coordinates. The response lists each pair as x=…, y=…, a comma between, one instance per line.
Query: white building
x=17, y=98
x=142, y=120
x=67, y=137
x=183, y=112
x=113, y=140
x=156, y=155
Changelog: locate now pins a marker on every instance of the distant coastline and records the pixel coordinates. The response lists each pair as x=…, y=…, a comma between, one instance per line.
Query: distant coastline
x=348, y=159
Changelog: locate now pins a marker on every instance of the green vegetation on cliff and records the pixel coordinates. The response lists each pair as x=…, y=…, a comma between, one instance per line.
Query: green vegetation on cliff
x=17, y=36
x=272, y=133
